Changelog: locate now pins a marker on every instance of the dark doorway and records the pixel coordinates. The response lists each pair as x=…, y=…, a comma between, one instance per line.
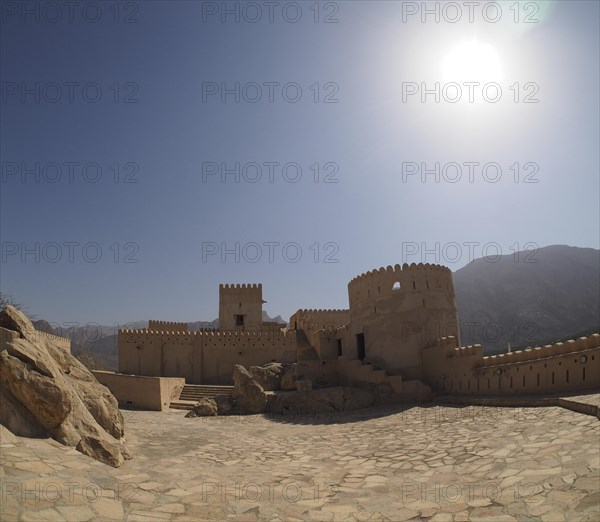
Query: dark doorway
x=360, y=345
x=239, y=320
x=339, y=347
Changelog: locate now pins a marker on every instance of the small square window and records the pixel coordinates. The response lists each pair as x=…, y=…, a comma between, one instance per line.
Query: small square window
x=239, y=320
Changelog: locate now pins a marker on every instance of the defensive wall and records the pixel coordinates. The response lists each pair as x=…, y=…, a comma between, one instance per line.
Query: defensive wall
x=554, y=368
x=316, y=322
x=63, y=342
x=201, y=357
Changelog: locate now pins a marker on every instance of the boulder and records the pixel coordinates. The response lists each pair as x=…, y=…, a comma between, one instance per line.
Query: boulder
x=225, y=404
x=204, y=408
x=268, y=376
x=249, y=396
x=45, y=391
x=288, y=378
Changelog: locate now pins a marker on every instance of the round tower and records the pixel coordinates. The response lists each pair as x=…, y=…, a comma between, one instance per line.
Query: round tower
x=397, y=311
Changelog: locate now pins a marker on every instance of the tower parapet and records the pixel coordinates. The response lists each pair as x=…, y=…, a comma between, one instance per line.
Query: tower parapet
x=167, y=326
x=404, y=279
x=240, y=306
x=395, y=312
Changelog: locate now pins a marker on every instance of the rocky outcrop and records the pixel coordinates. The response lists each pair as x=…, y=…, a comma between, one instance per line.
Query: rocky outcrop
x=204, y=408
x=275, y=376
x=225, y=404
x=46, y=391
x=323, y=400
x=249, y=396
x=268, y=376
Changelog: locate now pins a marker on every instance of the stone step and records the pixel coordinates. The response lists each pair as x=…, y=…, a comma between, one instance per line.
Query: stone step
x=182, y=405
x=192, y=393
x=191, y=397
x=207, y=387
x=208, y=390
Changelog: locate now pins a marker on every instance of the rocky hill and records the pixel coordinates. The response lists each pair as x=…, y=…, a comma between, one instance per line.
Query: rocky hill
x=529, y=298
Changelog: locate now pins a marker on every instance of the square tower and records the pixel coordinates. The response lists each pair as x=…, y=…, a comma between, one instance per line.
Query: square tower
x=240, y=307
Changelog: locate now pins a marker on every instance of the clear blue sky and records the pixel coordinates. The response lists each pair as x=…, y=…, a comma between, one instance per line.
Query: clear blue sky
x=167, y=65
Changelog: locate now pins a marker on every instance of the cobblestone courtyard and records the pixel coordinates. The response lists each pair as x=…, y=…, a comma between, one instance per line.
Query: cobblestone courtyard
x=436, y=463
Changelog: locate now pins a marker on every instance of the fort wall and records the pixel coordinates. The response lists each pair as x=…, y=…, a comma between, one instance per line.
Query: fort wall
x=63, y=342
x=316, y=322
x=555, y=368
x=201, y=357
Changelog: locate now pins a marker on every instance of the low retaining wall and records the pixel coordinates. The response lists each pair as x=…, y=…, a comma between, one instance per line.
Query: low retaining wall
x=531, y=401
x=141, y=392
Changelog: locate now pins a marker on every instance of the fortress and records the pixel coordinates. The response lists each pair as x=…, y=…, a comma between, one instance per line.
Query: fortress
x=400, y=336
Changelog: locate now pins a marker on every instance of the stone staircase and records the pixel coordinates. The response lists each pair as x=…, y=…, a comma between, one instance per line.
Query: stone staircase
x=192, y=393
x=358, y=371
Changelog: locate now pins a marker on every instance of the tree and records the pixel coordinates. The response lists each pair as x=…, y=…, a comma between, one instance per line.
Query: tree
x=7, y=299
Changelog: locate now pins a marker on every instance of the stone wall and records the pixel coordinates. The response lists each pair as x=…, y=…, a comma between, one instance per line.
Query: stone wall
x=201, y=357
x=63, y=342
x=141, y=392
x=311, y=321
x=567, y=367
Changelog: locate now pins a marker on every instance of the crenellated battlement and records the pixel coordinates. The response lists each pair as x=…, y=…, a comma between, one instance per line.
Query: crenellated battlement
x=397, y=270
x=449, y=340
x=201, y=357
x=63, y=342
x=254, y=334
x=312, y=319
x=541, y=352
x=167, y=325
x=305, y=311
x=237, y=288
x=400, y=280
x=465, y=351
x=560, y=367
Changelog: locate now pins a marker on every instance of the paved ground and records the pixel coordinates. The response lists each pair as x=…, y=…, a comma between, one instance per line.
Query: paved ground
x=438, y=463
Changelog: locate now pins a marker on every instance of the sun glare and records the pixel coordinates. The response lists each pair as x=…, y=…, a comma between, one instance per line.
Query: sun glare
x=472, y=62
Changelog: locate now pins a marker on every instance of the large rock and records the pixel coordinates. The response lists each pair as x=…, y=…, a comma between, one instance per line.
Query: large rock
x=268, y=376
x=225, y=404
x=249, y=396
x=46, y=391
x=204, y=408
x=322, y=400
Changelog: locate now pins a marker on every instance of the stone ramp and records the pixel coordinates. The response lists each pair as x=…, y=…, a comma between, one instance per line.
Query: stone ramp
x=192, y=393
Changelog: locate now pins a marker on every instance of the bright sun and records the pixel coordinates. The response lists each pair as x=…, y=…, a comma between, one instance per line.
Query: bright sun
x=472, y=62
